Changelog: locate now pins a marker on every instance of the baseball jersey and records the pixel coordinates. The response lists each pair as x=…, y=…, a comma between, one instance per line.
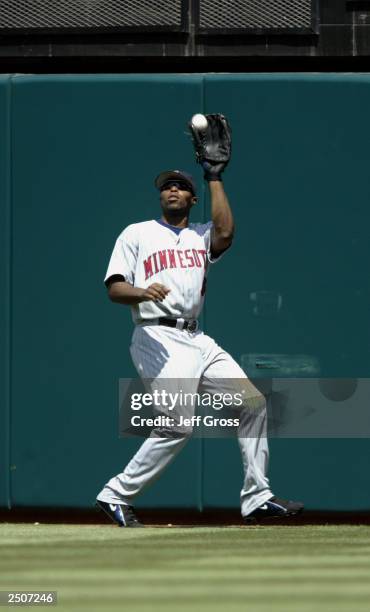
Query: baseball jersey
x=155, y=252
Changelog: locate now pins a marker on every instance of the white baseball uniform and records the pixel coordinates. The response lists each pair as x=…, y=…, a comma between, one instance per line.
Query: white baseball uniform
x=153, y=251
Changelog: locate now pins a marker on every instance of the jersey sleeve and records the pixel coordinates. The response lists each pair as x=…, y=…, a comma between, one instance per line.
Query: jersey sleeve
x=207, y=239
x=124, y=256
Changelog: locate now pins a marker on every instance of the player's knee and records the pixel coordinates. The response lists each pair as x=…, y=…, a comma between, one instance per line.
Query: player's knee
x=180, y=433
x=254, y=409
x=184, y=431
x=256, y=403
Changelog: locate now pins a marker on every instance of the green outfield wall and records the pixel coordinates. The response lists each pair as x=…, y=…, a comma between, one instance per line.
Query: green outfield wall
x=78, y=155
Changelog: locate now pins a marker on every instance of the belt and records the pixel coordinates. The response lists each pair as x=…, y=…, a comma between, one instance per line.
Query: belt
x=191, y=325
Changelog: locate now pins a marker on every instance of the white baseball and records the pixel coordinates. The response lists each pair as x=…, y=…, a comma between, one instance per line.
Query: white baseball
x=199, y=121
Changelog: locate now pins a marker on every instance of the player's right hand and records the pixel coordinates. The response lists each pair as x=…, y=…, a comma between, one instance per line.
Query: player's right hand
x=155, y=292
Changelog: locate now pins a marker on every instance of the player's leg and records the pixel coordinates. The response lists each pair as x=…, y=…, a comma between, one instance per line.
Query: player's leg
x=224, y=375
x=165, y=359
x=153, y=456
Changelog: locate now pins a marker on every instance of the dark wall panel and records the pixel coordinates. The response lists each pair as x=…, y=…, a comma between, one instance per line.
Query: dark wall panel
x=56, y=15
x=297, y=186
x=256, y=15
x=83, y=151
x=75, y=35
x=5, y=276
x=85, y=155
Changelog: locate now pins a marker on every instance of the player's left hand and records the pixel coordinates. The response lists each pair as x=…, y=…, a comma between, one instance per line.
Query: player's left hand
x=212, y=146
x=212, y=171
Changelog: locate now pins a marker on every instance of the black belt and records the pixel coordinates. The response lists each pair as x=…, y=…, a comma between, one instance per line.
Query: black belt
x=191, y=325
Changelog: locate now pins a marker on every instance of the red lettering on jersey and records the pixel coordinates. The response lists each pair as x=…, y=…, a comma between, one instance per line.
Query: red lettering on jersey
x=154, y=255
x=189, y=258
x=196, y=258
x=179, y=255
x=171, y=258
x=204, y=253
x=148, y=267
x=162, y=259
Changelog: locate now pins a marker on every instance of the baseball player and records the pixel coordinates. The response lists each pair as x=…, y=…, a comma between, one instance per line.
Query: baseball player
x=159, y=269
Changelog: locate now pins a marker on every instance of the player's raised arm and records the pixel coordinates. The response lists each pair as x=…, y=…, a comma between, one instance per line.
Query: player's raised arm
x=222, y=217
x=211, y=136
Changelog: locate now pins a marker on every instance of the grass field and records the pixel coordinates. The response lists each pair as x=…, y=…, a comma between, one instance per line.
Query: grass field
x=275, y=568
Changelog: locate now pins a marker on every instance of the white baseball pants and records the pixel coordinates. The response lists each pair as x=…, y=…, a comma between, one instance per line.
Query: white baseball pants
x=195, y=361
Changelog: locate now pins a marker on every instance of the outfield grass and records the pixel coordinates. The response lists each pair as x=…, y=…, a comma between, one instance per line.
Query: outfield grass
x=104, y=568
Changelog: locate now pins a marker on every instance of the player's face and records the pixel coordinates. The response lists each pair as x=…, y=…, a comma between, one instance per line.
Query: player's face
x=176, y=198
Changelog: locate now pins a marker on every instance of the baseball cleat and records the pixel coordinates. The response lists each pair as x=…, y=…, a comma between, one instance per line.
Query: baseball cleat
x=275, y=507
x=122, y=515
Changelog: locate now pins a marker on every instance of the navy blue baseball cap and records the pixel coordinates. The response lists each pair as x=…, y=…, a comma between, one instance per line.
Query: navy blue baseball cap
x=175, y=175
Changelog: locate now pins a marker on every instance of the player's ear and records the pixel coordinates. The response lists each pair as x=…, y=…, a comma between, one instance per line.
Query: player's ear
x=194, y=200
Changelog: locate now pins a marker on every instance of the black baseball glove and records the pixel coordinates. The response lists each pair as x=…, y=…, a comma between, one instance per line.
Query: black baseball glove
x=212, y=146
